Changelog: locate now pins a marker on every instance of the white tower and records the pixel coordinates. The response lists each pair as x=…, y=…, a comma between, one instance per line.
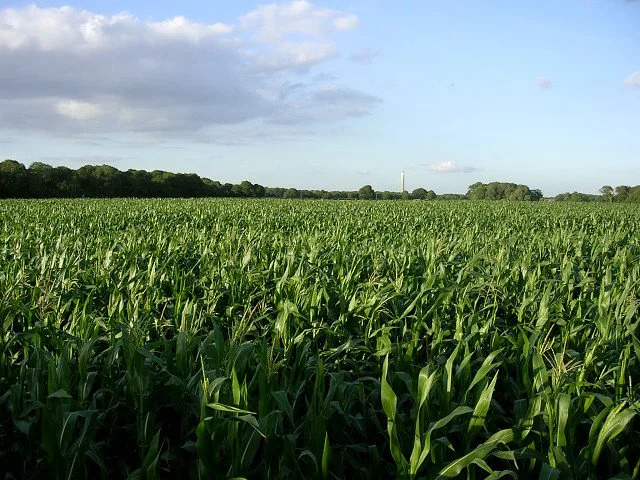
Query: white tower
x=401, y=181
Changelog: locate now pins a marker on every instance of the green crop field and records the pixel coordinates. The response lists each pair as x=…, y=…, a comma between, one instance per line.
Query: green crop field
x=319, y=339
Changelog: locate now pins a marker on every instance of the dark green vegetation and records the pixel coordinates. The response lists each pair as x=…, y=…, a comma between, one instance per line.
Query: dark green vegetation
x=502, y=191
x=287, y=339
x=104, y=181
x=622, y=193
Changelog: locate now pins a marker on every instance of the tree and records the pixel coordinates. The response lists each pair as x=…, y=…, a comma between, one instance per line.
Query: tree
x=246, y=189
x=387, y=195
x=607, y=193
x=237, y=191
x=14, y=180
x=213, y=188
x=110, y=181
x=622, y=192
x=101, y=181
x=519, y=194
x=67, y=184
x=493, y=192
x=576, y=197
x=422, y=194
x=452, y=196
x=419, y=194
x=366, y=193
x=634, y=195
x=162, y=184
x=226, y=190
x=188, y=185
x=502, y=191
x=291, y=193
x=477, y=191
x=536, y=195
x=42, y=181
x=259, y=191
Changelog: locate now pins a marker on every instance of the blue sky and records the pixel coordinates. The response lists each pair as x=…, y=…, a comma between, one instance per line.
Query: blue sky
x=329, y=94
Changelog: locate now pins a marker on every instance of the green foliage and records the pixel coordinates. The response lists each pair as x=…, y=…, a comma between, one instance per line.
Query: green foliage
x=422, y=194
x=104, y=181
x=503, y=191
x=366, y=193
x=578, y=197
x=621, y=194
x=14, y=180
x=233, y=338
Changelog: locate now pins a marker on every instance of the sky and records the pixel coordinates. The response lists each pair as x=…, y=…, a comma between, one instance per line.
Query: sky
x=327, y=94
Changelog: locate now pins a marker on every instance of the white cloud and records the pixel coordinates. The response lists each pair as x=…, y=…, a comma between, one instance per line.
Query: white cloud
x=633, y=80
x=64, y=71
x=346, y=22
x=50, y=29
x=78, y=110
x=274, y=22
x=179, y=27
x=298, y=57
x=295, y=35
x=449, y=167
x=442, y=167
x=364, y=55
x=544, y=82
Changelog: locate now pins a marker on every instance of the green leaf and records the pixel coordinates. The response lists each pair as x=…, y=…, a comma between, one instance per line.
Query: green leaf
x=207, y=451
x=549, y=473
x=615, y=423
x=439, y=424
x=563, y=403
x=389, y=402
x=484, y=370
x=228, y=408
x=60, y=394
x=150, y=463
x=480, y=411
x=425, y=384
x=326, y=456
x=454, y=468
x=283, y=403
x=251, y=421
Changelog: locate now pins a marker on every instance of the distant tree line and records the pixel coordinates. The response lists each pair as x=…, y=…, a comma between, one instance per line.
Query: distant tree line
x=44, y=181
x=577, y=197
x=621, y=194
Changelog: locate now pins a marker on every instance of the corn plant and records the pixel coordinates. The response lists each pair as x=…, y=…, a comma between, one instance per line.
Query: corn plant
x=235, y=338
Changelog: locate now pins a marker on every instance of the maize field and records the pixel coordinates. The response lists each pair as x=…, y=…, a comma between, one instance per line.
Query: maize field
x=259, y=339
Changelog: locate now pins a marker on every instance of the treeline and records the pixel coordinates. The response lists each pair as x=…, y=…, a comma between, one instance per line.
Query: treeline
x=621, y=193
x=44, y=181
x=104, y=181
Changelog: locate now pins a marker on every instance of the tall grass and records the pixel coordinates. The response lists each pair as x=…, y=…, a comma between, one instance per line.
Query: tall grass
x=273, y=339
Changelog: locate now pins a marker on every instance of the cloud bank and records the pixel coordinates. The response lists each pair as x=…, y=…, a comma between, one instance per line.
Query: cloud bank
x=67, y=71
